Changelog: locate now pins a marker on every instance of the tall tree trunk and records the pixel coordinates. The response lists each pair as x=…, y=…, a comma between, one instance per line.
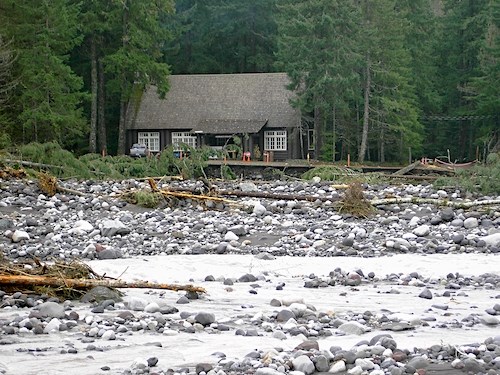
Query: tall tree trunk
x=366, y=113
x=334, y=132
x=124, y=86
x=93, y=103
x=101, y=105
x=382, y=144
x=318, y=132
x=123, y=121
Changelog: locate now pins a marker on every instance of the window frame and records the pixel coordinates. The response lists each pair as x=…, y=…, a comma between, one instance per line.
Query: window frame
x=150, y=139
x=311, y=139
x=275, y=140
x=186, y=138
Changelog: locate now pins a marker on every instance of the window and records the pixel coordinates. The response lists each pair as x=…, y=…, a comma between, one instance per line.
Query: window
x=275, y=140
x=179, y=138
x=311, y=139
x=150, y=139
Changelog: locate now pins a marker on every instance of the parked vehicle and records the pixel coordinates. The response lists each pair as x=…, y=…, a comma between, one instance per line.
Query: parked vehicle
x=138, y=151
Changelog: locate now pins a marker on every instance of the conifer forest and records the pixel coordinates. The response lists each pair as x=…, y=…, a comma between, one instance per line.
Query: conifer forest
x=380, y=79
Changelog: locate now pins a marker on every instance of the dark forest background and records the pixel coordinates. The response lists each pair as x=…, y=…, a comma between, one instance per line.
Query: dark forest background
x=379, y=79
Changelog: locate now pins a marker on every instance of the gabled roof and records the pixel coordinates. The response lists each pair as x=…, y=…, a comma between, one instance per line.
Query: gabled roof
x=219, y=103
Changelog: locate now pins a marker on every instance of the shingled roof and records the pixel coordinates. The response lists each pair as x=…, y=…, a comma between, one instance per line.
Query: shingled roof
x=219, y=103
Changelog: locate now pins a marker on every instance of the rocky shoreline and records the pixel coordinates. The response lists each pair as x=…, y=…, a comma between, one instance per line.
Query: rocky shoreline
x=98, y=226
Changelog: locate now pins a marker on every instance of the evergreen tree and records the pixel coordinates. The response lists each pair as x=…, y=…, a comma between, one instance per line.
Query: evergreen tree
x=136, y=61
x=389, y=105
x=7, y=84
x=98, y=24
x=48, y=96
x=318, y=48
x=485, y=87
x=222, y=36
x=464, y=28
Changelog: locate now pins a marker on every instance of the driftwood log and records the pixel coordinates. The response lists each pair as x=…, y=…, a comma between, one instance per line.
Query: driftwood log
x=438, y=202
x=59, y=282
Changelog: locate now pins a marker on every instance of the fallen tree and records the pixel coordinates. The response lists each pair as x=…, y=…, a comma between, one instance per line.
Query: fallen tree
x=23, y=281
x=68, y=279
x=438, y=202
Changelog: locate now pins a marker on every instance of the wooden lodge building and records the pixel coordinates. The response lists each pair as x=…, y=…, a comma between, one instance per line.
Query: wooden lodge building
x=210, y=109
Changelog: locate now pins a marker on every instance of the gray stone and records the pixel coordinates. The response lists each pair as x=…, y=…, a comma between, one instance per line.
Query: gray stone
x=230, y=236
x=425, y=293
x=338, y=367
x=152, y=307
x=490, y=320
x=303, y=363
x=183, y=300
x=353, y=279
x=472, y=366
x=418, y=363
x=136, y=304
x=109, y=254
x=321, y=363
x=5, y=224
x=422, y=231
x=238, y=230
x=248, y=187
x=203, y=367
x=51, y=310
x=53, y=325
x=447, y=214
x=110, y=228
x=285, y=315
x=247, y=278
x=492, y=239
x=101, y=293
x=470, y=223
x=259, y=209
x=308, y=345
x=20, y=235
x=352, y=328
x=204, y=318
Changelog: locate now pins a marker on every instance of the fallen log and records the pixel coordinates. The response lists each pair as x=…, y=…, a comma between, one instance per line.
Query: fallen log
x=437, y=202
x=33, y=164
x=410, y=177
x=259, y=194
x=407, y=169
x=60, y=282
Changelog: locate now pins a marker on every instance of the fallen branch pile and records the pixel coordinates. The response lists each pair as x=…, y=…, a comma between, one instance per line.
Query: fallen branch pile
x=48, y=184
x=189, y=194
x=7, y=173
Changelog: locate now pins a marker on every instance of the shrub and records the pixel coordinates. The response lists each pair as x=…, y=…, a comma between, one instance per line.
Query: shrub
x=482, y=178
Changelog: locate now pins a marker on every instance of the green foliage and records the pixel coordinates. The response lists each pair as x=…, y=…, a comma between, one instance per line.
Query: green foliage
x=147, y=199
x=226, y=173
x=483, y=178
x=423, y=61
x=221, y=36
x=257, y=154
x=4, y=140
x=60, y=162
x=47, y=101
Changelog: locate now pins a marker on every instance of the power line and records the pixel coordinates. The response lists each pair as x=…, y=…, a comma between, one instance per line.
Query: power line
x=458, y=118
